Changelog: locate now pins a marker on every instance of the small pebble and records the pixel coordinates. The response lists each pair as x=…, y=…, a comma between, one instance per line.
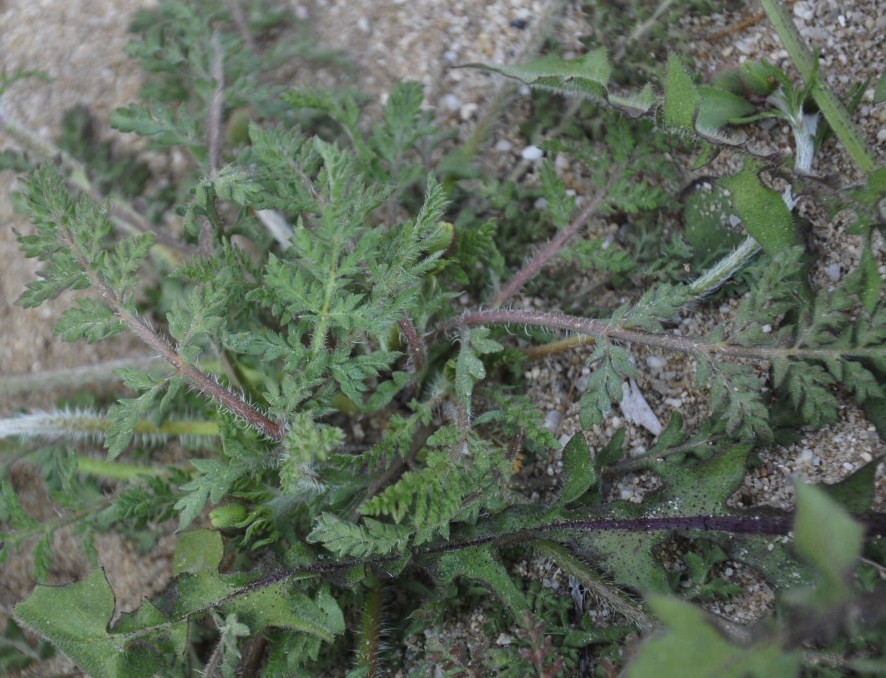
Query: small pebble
x=503, y=145
x=532, y=153
x=450, y=102
x=552, y=420
x=656, y=362
x=468, y=110
x=832, y=272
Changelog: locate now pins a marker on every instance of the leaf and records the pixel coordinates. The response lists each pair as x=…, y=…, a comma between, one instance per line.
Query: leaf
x=827, y=538
x=91, y=320
x=126, y=413
x=578, y=470
x=481, y=564
x=559, y=205
x=215, y=480
x=681, y=97
x=870, y=282
x=856, y=492
x=691, y=647
x=167, y=128
x=613, y=450
x=468, y=367
x=718, y=108
x=587, y=75
x=698, y=488
x=350, y=539
x=81, y=632
x=197, y=551
x=272, y=601
x=604, y=383
x=807, y=63
x=761, y=210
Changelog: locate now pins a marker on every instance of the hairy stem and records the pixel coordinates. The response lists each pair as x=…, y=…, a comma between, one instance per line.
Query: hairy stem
x=124, y=216
x=370, y=631
x=85, y=424
x=197, y=379
x=416, y=348
x=554, y=246
x=668, y=342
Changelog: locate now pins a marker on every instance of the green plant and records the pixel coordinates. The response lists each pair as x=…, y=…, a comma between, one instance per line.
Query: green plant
x=342, y=307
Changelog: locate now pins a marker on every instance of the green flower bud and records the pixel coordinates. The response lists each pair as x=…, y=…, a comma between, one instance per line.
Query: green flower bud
x=228, y=515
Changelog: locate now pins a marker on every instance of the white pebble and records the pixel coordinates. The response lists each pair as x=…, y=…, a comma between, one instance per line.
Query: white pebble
x=450, y=56
x=847, y=466
x=656, y=362
x=552, y=420
x=503, y=145
x=803, y=11
x=881, y=135
x=832, y=272
x=467, y=111
x=363, y=24
x=532, y=153
x=450, y=102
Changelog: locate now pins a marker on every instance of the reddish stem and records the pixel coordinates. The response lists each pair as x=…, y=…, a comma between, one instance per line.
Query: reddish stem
x=197, y=379
x=416, y=348
x=554, y=246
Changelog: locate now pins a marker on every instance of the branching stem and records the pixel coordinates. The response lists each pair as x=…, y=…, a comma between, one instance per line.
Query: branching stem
x=197, y=379
x=668, y=342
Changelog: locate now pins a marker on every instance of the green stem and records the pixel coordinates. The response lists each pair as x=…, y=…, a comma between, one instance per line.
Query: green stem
x=74, y=424
x=370, y=630
x=834, y=111
x=114, y=470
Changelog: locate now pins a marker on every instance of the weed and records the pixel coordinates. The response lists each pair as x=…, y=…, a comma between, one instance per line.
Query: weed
x=326, y=272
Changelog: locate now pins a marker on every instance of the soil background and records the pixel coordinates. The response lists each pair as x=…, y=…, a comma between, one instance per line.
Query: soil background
x=79, y=43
